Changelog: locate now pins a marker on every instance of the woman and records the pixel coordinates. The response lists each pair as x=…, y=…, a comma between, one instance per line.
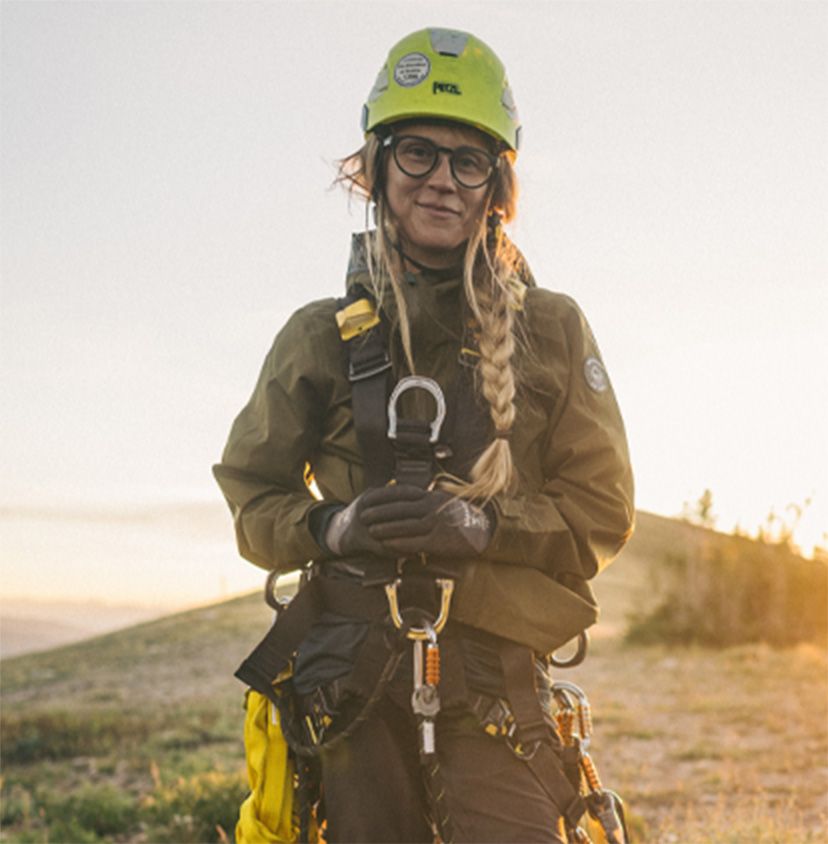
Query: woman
x=514, y=501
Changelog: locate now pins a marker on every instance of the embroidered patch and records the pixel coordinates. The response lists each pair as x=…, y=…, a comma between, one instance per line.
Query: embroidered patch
x=596, y=376
x=411, y=69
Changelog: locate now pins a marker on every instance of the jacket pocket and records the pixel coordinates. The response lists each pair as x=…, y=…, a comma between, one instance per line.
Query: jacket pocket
x=521, y=604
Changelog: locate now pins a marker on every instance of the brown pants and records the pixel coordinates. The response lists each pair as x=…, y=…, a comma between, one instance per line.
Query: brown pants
x=373, y=790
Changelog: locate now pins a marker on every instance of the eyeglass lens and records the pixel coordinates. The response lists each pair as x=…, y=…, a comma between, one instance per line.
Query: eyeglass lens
x=417, y=157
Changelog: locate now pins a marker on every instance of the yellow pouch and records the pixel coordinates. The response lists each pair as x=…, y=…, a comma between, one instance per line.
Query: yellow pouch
x=266, y=816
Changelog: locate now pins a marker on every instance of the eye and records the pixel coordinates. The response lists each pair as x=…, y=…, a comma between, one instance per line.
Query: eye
x=415, y=150
x=468, y=160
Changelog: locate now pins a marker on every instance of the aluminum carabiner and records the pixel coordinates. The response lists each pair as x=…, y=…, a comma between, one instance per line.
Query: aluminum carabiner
x=417, y=382
x=427, y=633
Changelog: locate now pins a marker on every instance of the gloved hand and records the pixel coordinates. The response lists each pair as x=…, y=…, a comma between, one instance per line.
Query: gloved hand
x=410, y=520
x=346, y=534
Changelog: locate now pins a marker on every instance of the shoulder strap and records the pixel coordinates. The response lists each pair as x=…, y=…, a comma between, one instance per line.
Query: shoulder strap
x=365, y=337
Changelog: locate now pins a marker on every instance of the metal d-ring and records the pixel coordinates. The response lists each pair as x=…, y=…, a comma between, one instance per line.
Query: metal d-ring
x=271, y=595
x=414, y=382
x=577, y=658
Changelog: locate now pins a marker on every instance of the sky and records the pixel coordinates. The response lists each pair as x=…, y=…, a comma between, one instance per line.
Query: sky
x=167, y=203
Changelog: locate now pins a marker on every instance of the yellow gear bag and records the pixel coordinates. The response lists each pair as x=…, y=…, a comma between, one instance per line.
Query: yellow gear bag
x=266, y=816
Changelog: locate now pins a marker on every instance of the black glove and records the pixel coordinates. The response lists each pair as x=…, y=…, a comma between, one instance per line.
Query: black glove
x=410, y=520
x=345, y=533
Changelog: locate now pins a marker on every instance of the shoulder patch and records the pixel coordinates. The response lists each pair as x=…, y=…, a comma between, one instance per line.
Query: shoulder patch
x=595, y=375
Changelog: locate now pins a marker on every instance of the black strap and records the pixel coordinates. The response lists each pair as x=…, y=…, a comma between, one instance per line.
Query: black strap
x=369, y=371
x=413, y=453
x=548, y=770
x=518, y=663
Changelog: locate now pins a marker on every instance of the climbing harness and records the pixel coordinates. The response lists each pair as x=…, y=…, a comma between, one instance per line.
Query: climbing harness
x=412, y=608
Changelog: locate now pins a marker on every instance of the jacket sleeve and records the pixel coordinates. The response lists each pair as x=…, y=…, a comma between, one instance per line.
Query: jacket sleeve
x=583, y=514
x=262, y=469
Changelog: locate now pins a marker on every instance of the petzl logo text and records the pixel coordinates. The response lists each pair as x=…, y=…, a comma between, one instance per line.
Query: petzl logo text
x=445, y=88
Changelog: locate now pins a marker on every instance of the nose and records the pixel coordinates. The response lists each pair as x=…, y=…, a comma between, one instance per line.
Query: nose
x=441, y=177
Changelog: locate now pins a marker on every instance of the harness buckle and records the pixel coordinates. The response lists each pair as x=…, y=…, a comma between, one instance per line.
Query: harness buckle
x=356, y=319
x=368, y=368
x=415, y=382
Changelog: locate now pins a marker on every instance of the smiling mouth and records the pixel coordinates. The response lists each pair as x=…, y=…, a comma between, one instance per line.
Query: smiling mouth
x=441, y=210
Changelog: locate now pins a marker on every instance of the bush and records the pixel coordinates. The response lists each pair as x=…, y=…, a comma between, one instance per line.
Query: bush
x=190, y=810
x=733, y=591
x=61, y=735
x=87, y=816
x=15, y=807
x=103, y=811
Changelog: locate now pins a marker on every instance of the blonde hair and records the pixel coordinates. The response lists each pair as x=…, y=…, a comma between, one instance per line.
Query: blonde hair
x=490, y=270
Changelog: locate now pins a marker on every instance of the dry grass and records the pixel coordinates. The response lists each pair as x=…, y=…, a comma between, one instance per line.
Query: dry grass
x=706, y=746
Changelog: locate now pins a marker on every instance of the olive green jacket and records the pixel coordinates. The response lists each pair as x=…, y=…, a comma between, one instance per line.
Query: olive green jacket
x=572, y=513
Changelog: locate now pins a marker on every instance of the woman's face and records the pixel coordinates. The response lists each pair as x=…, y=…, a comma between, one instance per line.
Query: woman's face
x=435, y=215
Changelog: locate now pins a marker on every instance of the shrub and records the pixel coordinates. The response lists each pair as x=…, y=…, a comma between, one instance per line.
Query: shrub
x=15, y=806
x=732, y=591
x=104, y=811
x=60, y=734
x=86, y=816
x=190, y=810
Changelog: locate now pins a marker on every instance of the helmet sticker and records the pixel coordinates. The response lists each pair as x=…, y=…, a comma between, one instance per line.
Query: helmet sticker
x=380, y=85
x=596, y=376
x=448, y=42
x=507, y=100
x=411, y=69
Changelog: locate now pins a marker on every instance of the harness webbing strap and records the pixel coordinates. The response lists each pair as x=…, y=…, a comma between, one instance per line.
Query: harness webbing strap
x=548, y=769
x=413, y=453
x=518, y=666
x=369, y=370
x=518, y=663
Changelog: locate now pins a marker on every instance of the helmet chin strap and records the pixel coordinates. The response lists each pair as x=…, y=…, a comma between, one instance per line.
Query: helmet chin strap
x=422, y=267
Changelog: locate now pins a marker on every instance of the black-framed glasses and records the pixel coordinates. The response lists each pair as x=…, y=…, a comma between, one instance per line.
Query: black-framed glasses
x=471, y=167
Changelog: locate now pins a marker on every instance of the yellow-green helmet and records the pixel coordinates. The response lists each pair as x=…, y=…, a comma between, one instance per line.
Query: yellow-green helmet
x=446, y=74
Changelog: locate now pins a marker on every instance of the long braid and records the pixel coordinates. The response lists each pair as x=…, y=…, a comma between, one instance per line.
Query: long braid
x=491, y=302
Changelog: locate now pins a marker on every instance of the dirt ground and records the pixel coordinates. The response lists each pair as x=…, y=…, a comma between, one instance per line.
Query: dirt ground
x=712, y=746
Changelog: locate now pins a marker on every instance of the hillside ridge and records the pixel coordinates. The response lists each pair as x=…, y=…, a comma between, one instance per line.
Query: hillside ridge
x=160, y=658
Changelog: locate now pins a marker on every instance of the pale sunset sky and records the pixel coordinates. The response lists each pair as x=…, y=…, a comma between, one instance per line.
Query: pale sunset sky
x=166, y=205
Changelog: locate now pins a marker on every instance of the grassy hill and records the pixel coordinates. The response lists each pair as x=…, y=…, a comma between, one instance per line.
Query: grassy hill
x=32, y=625
x=136, y=736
